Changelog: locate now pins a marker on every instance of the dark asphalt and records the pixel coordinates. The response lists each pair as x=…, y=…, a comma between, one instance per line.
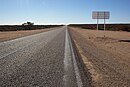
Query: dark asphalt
x=36, y=61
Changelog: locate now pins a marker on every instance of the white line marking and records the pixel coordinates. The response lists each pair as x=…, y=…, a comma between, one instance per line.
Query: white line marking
x=66, y=61
x=3, y=56
x=69, y=48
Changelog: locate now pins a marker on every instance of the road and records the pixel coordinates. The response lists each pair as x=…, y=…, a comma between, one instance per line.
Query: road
x=41, y=60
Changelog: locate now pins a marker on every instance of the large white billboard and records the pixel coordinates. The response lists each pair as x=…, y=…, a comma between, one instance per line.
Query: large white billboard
x=100, y=15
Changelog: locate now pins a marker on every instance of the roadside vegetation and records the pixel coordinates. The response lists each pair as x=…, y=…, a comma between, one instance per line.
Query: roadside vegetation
x=25, y=27
x=111, y=27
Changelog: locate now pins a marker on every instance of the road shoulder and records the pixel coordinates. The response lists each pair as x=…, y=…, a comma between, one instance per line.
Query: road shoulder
x=106, y=68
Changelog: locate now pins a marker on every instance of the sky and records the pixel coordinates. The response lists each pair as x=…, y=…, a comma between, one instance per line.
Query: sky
x=16, y=12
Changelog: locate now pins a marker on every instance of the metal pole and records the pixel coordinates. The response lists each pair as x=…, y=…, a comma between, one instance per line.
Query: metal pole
x=97, y=20
x=97, y=23
x=104, y=24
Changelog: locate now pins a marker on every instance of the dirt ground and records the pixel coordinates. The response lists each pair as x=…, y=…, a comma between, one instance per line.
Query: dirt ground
x=4, y=36
x=106, y=55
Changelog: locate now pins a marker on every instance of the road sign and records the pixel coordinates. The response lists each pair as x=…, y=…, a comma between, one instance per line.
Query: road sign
x=101, y=15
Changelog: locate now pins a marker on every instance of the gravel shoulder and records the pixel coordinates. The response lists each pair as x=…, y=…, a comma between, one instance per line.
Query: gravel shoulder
x=9, y=35
x=106, y=57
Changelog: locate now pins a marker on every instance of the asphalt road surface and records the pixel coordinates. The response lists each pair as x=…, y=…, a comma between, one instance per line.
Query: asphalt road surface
x=41, y=60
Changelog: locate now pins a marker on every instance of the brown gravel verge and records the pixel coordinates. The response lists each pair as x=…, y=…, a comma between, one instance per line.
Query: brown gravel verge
x=106, y=57
x=4, y=36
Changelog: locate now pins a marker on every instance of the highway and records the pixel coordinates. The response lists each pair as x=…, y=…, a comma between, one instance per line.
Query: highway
x=40, y=60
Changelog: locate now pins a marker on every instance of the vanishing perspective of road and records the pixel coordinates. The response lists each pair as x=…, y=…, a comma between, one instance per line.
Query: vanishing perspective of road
x=66, y=56
x=41, y=60
x=64, y=43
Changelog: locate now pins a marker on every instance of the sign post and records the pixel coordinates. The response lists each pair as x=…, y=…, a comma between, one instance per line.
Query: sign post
x=101, y=15
x=97, y=24
x=104, y=25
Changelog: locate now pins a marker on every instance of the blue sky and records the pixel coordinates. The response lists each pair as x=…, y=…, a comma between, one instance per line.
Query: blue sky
x=62, y=11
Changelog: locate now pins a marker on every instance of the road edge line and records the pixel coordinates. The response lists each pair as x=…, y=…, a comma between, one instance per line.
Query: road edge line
x=78, y=77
